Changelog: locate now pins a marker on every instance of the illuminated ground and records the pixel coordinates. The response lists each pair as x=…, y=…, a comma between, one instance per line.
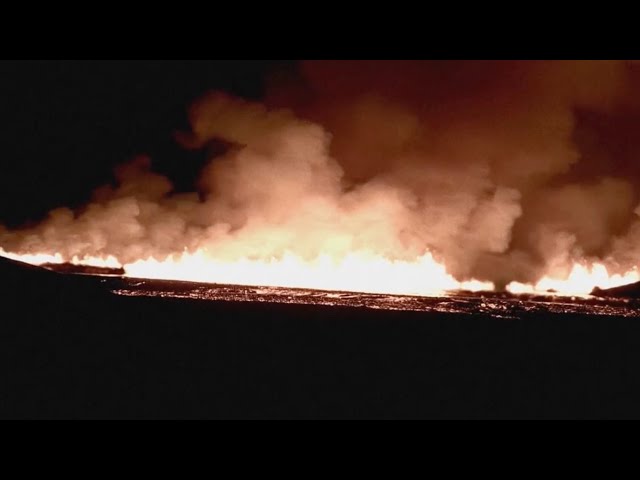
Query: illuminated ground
x=494, y=304
x=621, y=302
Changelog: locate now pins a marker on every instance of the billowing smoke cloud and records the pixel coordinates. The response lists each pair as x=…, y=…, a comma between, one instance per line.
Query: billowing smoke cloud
x=497, y=168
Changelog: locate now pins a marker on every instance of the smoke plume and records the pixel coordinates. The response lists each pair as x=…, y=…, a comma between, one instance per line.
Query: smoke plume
x=503, y=170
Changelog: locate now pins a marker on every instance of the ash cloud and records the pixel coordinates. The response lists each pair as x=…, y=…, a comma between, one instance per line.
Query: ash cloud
x=502, y=169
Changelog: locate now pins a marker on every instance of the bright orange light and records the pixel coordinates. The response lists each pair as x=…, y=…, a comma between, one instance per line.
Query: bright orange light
x=580, y=281
x=34, y=259
x=354, y=272
x=357, y=272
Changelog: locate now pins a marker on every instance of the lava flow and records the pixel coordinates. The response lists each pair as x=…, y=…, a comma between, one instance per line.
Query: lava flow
x=354, y=273
x=582, y=280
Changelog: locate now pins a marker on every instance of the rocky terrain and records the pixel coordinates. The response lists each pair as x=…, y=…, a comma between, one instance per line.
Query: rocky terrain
x=71, y=348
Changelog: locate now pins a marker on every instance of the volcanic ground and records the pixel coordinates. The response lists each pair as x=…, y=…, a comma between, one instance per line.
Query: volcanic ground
x=616, y=302
x=85, y=346
x=499, y=305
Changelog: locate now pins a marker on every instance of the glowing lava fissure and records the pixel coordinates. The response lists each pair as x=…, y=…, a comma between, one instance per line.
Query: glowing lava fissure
x=358, y=273
x=362, y=273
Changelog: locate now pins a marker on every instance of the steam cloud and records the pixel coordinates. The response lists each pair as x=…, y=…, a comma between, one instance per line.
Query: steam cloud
x=503, y=170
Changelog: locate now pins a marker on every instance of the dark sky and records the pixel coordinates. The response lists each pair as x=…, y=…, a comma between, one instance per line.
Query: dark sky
x=66, y=124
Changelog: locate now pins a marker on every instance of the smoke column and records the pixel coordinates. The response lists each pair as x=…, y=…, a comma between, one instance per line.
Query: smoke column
x=502, y=170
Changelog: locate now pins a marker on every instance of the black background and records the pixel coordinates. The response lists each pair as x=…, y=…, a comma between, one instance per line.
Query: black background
x=66, y=124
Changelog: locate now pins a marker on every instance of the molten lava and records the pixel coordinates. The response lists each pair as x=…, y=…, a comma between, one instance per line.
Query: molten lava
x=580, y=281
x=357, y=272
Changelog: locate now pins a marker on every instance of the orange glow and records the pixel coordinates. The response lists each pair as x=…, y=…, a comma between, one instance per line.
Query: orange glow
x=354, y=272
x=357, y=272
x=580, y=281
x=57, y=259
x=33, y=259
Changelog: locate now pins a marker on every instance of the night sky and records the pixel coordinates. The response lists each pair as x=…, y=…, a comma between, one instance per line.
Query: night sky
x=67, y=124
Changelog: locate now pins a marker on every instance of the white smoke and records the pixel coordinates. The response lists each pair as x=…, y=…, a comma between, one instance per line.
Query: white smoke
x=479, y=170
